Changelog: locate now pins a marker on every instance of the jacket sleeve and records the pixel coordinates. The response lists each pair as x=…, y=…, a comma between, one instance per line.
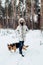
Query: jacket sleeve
x=27, y=29
x=17, y=31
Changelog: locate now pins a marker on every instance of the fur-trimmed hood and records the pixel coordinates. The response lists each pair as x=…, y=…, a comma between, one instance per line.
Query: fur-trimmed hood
x=21, y=20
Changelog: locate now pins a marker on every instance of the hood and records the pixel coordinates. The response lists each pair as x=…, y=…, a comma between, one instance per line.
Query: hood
x=21, y=20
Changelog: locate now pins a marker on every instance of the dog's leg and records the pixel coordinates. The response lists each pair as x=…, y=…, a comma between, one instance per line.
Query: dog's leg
x=14, y=47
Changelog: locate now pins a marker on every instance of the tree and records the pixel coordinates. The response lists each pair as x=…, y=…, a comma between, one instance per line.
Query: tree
x=0, y=9
x=10, y=10
x=6, y=11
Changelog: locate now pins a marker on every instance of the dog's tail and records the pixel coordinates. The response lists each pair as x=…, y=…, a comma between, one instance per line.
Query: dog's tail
x=27, y=46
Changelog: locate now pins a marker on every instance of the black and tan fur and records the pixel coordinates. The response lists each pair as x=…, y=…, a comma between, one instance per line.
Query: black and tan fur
x=14, y=46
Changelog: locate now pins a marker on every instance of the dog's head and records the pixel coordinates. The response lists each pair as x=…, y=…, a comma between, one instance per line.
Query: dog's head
x=9, y=46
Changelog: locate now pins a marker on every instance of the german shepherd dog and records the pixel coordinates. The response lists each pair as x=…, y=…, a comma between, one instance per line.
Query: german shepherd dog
x=14, y=46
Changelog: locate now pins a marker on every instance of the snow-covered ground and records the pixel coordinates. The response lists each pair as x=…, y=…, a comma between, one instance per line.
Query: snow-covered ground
x=33, y=54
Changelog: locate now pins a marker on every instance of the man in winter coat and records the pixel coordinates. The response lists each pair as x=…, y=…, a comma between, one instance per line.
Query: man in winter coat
x=22, y=30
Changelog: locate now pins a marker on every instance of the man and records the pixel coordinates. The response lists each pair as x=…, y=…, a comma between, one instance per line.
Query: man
x=22, y=30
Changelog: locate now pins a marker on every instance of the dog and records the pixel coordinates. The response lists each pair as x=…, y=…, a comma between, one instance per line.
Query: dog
x=14, y=46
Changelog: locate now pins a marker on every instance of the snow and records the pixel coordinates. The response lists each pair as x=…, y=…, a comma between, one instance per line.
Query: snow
x=33, y=54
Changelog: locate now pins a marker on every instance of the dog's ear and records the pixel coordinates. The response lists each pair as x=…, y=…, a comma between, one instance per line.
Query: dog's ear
x=7, y=44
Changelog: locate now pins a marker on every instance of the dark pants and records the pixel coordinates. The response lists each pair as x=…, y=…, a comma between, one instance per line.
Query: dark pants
x=21, y=46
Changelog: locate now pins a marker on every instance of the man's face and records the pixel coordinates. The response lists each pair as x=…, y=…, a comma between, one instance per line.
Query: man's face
x=22, y=23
